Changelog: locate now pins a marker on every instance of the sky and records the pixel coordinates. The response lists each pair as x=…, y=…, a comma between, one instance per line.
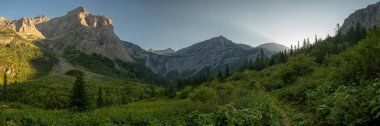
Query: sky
x=161, y=24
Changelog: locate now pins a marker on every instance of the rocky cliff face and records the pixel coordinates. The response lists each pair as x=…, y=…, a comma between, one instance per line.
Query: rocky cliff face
x=86, y=32
x=214, y=54
x=367, y=18
x=24, y=26
x=77, y=30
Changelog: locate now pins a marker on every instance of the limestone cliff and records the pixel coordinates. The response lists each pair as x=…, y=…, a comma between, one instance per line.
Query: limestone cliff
x=24, y=26
x=367, y=17
x=86, y=32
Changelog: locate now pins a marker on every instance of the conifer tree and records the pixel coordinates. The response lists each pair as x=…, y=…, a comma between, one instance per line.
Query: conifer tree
x=261, y=61
x=100, y=100
x=79, y=100
x=227, y=72
x=316, y=39
x=304, y=44
x=5, y=84
x=220, y=76
x=291, y=49
x=298, y=45
x=108, y=98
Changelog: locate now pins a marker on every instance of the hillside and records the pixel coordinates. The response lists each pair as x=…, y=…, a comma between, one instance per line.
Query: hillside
x=302, y=91
x=21, y=59
x=74, y=70
x=78, y=40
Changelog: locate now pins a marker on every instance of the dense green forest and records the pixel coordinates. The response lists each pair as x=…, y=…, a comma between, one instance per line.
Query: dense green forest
x=334, y=81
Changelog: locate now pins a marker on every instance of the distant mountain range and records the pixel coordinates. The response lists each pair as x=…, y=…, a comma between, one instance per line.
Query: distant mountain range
x=90, y=34
x=82, y=31
x=78, y=40
x=213, y=54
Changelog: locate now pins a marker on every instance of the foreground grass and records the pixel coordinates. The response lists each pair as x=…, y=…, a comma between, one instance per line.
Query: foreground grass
x=146, y=112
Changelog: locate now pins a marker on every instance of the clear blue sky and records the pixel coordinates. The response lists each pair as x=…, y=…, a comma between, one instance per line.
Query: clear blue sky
x=161, y=24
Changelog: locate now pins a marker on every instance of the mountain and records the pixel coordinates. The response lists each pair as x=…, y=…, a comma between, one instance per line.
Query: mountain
x=210, y=55
x=78, y=40
x=77, y=30
x=244, y=46
x=274, y=47
x=86, y=32
x=168, y=51
x=367, y=17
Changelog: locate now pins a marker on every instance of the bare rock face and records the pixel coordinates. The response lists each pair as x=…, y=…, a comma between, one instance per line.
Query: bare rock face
x=77, y=30
x=3, y=22
x=86, y=32
x=366, y=17
x=24, y=26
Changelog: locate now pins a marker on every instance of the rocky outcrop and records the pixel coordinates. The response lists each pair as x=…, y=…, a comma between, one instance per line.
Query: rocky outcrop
x=77, y=30
x=367, y=18
x=24, y=26
x=86, y=32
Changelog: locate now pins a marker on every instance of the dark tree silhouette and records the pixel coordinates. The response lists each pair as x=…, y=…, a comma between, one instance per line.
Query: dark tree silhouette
x=79, y=100
x=100, y=100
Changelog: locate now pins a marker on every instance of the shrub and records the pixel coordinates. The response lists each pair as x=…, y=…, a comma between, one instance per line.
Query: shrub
x=204, y=94
x=186, y=91
x=74, y=73
x=295, y=67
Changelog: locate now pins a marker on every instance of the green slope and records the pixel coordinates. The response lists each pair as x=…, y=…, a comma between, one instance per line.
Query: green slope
x=24, y=59
x=335, y=81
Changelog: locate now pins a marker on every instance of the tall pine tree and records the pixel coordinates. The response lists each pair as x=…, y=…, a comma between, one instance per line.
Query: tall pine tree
x=100, y=99
x=227, y=72
x=5, y=84
x=79, y=100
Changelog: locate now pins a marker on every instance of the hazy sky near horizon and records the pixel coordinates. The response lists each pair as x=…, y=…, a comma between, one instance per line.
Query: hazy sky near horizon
x=160, y=24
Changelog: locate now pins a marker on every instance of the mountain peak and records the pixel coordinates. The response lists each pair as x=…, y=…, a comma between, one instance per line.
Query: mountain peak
x=220, y=38
x=78, y=10
x=40, y=19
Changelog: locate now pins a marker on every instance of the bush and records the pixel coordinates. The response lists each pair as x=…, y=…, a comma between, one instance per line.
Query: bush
x=204, y=94
x=296, y=67
x=186, y=91
x=74, y=73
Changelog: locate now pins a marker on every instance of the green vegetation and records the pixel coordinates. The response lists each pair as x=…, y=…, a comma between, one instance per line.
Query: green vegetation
x=335, y=81
x=53, y=92
x=215, y=104
x=74, y=73
x=79, y=100
x=23, y=66
x=118, y=69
